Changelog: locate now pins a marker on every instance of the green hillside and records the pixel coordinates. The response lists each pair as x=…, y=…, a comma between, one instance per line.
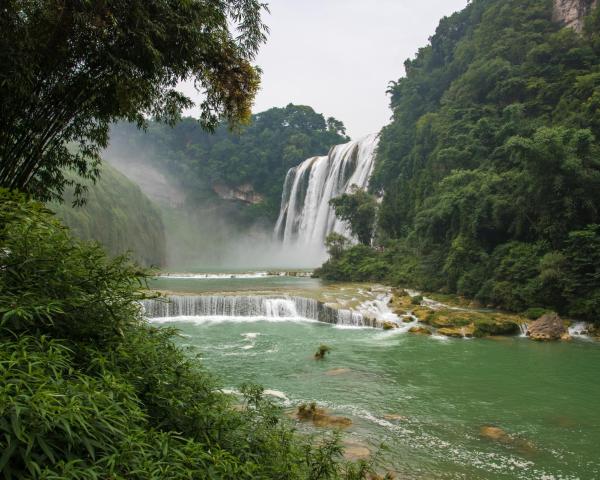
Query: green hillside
x=255, y=158
x=491, y=165
x=119, y=216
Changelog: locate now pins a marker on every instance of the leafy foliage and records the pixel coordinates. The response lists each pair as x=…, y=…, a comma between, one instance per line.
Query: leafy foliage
x=89, y=390
x=70, y=69
x=119, y=216
x=259, y=154
x=359, y=210
x=491, y=165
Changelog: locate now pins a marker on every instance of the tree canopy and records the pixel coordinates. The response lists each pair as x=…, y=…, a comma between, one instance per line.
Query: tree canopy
x=259, y=154
x=70, y=69
x=491, y=165
x=358, y=209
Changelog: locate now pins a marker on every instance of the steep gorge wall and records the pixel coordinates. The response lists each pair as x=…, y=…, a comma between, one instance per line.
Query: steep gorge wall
x=572, y=12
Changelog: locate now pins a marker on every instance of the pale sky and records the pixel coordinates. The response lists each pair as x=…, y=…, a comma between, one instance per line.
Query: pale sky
x=338, y=56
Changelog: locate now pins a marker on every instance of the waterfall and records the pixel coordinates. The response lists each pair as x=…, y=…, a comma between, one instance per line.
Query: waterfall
x=259, y=307
x=305, y=217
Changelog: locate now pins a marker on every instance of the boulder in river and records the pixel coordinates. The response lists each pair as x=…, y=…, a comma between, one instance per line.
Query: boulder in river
x=548, y=327
x=387, y=325
x=354, y=451
x=320, y=417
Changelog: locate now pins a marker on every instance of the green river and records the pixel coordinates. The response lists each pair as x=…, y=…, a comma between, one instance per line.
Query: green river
x=422, y=402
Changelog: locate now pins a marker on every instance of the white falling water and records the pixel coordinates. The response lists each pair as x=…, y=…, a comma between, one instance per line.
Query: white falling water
x=306, y=217
x=253, y=307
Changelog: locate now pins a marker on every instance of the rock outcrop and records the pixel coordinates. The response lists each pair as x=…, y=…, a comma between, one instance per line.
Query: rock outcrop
x=549, y=327
x=572, y=12
x=420, y=330
x=242, y=193
x=320, y=417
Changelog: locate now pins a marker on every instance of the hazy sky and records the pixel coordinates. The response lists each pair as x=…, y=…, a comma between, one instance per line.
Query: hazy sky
x=338, y=56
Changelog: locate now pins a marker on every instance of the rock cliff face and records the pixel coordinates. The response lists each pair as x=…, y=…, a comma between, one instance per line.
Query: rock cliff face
x=571, y=12
x=243, y=193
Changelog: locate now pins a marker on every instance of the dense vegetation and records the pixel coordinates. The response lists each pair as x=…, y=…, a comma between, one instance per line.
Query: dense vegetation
x=258, y=155
x=119, y=216
x=71, y=69
x=491, y=165
x=89, y=390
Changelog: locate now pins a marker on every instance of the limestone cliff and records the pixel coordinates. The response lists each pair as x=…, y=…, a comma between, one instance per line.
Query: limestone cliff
x=572, y=12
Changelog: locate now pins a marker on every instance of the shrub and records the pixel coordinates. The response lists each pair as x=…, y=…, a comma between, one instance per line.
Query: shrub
x=88, y=389
x=534, y=313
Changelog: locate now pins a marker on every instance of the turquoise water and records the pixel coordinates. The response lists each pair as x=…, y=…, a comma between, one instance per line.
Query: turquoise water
x=239, y=284
x=545, y=397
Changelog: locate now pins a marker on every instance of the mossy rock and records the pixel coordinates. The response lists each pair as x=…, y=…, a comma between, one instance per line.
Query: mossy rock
x=422, y=313
x=320, y=417
x=449, y=318
x=389, y=325
x=467, y=331
x=416, y=300
x=401, y=304
x=420, y=330
x=487, y=327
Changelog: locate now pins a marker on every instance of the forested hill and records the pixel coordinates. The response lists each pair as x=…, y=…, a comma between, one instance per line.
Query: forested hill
x=248, y=165
x=491, y=165
x=118, y=216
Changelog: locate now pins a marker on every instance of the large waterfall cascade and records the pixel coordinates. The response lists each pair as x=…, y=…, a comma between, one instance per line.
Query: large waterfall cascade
x=306, y=217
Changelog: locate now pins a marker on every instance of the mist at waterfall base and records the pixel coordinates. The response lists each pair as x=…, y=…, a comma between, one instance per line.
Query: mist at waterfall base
x=203, y=234
x=305, y=218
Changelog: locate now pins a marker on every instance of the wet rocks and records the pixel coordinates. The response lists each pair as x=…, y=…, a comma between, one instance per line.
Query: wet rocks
x=549, y=327
x=387, y=325
x=466, y=331
x=420, y=330
x=394, y=417
x=354, y=451
x=320, y=417
x=495, y=433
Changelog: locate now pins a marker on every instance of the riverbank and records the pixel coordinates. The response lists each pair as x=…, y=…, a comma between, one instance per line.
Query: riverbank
x=457, y=317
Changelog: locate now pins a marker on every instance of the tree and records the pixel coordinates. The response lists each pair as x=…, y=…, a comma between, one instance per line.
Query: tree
x=336, y=244
x=70, y=69
x=359, y=210
x=260, y=153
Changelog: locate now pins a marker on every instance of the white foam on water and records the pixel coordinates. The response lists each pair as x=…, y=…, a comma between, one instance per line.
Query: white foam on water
x=579, y=330
x=276, y=393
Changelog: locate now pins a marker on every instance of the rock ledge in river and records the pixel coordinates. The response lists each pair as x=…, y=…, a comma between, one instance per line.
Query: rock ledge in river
x=548, y=327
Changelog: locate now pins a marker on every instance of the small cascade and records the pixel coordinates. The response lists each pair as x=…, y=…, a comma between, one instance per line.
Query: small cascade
x=379, y=309
x=524, y=329
x=579, y=329
x=305, y=217
x=232, y=306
